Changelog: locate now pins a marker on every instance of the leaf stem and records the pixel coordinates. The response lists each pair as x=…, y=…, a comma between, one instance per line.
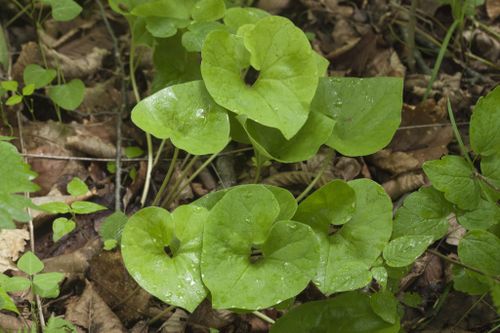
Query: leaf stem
x=193, y=176
x=463, y=149
x=264, y=317
x=178, y=181
x=439, y=59
x=167, y=178
x=458, y=263
x=326, y=162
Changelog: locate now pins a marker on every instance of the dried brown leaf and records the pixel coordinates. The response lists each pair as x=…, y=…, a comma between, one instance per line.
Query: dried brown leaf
x=12, y=242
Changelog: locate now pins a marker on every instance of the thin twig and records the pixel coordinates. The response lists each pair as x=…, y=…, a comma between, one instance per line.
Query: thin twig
x=458, y=263
x=167, y=178
x=326, y=162
x=178, y=181
x=79, y=158
x=121, y=67
x=264, y=317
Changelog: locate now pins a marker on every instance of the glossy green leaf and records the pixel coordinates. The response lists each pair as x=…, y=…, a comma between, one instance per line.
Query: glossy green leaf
x=85, y=207
x=302, y=146
x=194, y=38
x=55, y=207
x=469, y=282
x=61, y=227
x=16, y=178
x=380, y=275
x=37, y=75
x=481, y=250
x=13, y=208
x=249, y=261
x=64, y=10
x=28, y=89
x=47, y=284
x=486, y=215
x=13, y=100
x=332, y=204
x=68, y=96
x=173, y=64
x=367, y=112
x=287, y=78
x=187, y=115
x=133, y=152
x=237, y=17
x=6, y=303
x=490, y=168
x=164, y=8
x=174, y=278
x=14, y=284
x=346, y=313
x=404, y=250
x=112, y=226
x=385, y=305
x=59, y=325
x=423, y=213
x=286, y=202
x=140, y=32
x=77, y=187
x=208, y=10
x=161, y=27
x=484, y=124
x=453, y=176
x=347, y=254
x=29, y=263
x=9, y=85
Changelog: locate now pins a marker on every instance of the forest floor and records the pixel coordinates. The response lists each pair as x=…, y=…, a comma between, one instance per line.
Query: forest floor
x=360, y=38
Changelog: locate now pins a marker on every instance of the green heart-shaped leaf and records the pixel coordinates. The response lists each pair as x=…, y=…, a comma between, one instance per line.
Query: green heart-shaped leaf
x=481, y=249
x=64, y=10
x=163, y=27
x=47, y=284
x=174, y=64
x=334, y=203
x=367, y=112
x=208, y=10
x=187, y=115
x=194, y=38
x=423, y=213
x=164, y=8
x=302, y=146
x=162, y=253
x=30, y=264
x=486, y=215
x=346, y=313
x=37, y=75
x=453, y=176
x=249, y=261
x=347, y=254
x=484, y=124
x=68, y=96
x=237, y=17
x=403, y=250
x=287, y=73
x=61, y=227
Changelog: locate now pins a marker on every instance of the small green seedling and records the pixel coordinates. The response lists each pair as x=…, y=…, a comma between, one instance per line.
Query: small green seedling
x=62, y=225
x=471, y=195
x=42, y=284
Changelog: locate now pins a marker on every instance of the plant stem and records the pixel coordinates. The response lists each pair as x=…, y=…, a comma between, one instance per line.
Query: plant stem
x=158, y=152
x=178, y=181
x=494, y=329
x=440, y=57
x=264, y=317
x=463, y=149
x=326, y=162
x=193, y=176
x=167, y=178
x=456, y=262
x=149, y=141
x=123, y=106
x=159, y=315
